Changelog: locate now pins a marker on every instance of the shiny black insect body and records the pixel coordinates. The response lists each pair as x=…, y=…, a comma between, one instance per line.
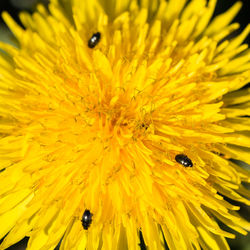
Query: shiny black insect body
x=184, y=160
x=94, y=40
x=86, y=219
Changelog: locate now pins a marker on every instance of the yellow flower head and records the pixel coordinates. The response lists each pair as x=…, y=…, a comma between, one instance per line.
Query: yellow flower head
x=129, y=113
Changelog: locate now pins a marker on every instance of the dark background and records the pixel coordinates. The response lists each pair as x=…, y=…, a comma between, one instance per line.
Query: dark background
x=243, y=17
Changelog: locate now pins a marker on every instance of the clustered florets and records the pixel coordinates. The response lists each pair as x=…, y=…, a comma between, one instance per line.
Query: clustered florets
x=122, y=119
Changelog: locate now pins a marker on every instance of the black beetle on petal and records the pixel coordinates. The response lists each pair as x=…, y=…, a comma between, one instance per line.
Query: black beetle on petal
x=183, y=160
x=94, y=40
x=86, y=219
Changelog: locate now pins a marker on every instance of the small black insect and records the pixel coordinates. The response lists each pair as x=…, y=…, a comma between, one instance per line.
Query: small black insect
x=145, y=126
x=184, y=160
x=94, y=40
x=86, y=219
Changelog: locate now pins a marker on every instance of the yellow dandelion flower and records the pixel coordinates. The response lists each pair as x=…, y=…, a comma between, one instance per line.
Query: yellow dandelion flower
x=129, y=113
